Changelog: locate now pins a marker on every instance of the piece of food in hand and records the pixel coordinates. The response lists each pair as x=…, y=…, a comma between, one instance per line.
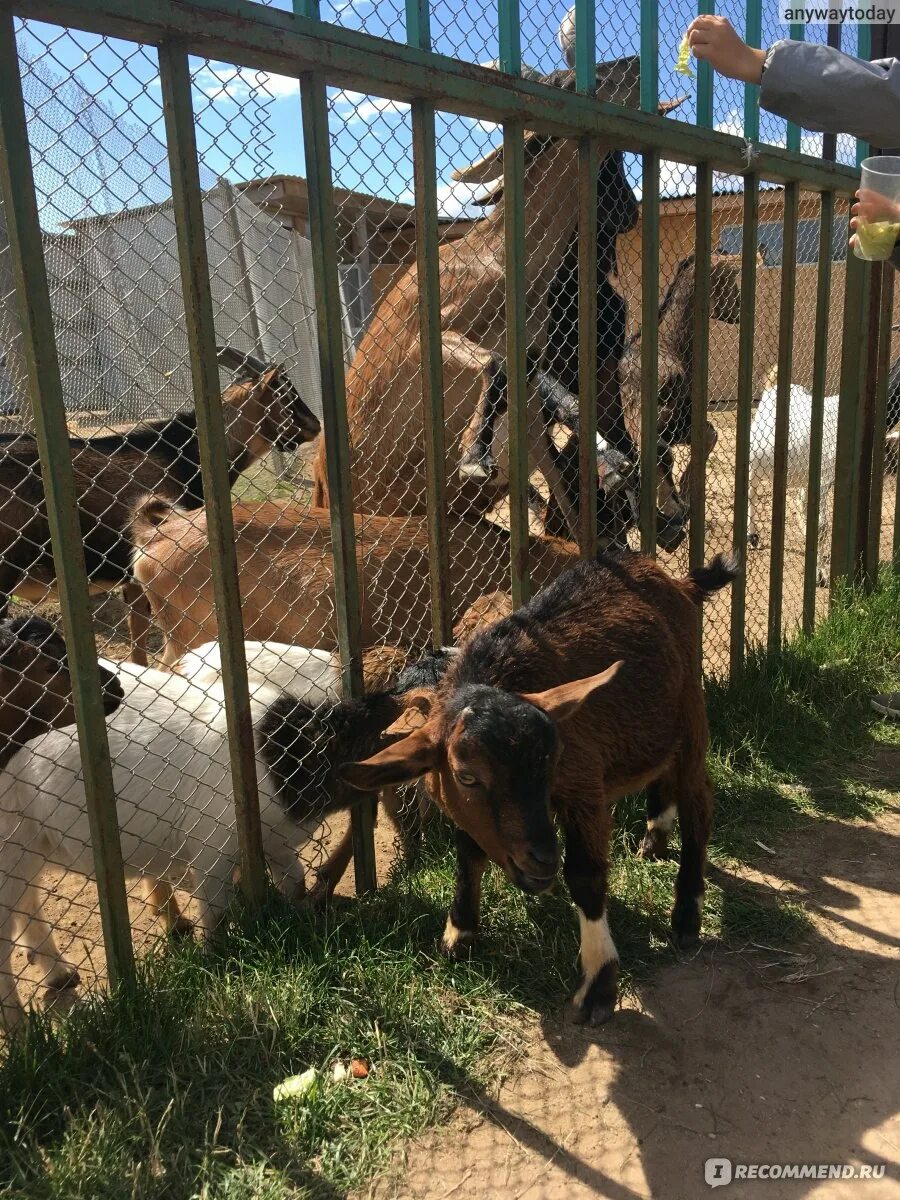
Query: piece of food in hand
x=682, y=66
x=297, y=1087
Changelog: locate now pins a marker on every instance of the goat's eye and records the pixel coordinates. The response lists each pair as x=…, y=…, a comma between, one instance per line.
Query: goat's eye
x=465, y=778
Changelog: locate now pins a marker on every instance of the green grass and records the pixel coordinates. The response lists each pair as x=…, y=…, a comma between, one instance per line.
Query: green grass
x=169, y=1093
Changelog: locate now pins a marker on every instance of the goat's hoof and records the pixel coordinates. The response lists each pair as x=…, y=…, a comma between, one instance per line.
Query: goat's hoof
x=595, y=1002
x=821, y=578
x=182, y=930
x=686, y=917
x=320, y=894
x=655, y=845
x=457, y=943
x=481, y=470
x=63, y=978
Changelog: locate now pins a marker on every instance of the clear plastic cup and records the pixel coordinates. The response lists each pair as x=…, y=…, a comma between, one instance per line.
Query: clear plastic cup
x=879, y=215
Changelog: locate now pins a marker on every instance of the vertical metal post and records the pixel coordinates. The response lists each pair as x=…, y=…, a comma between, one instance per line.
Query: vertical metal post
x=794, y=133
x=863, y=50
x=882, y=372
x=848, y=425
x=516, y=333
x=829, y=140
x=585, y=81
x=323, y=237
x=820, y=368
x=700, y=384
x=705, y=78
x=45, y=388
x=175, y=81
x=749, y=242
x=782, y=410
x=418, y=33
x=753, y=37
x=869, y=365
x=649, y=55
x=649, y=455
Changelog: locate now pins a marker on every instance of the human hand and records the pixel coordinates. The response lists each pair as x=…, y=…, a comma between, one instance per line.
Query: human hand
x=713, y=39
x=870, y=207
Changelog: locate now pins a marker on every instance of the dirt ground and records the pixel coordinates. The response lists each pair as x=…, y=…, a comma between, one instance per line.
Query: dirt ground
x=753, y=1053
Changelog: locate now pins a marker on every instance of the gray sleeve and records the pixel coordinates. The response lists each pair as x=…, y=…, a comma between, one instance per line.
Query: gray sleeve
x=822, y=89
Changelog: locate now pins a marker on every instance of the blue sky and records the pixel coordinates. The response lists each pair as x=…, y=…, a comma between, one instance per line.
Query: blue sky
x=248, y=122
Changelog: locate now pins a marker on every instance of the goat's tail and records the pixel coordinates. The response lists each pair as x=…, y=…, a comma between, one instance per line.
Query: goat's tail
x=704, y=581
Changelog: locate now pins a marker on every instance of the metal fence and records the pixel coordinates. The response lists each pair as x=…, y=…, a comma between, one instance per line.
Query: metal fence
x=160, y=200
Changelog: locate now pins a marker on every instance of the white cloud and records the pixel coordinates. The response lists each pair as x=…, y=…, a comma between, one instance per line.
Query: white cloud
x=356, y=107
x=454, y=200
x=224, y=83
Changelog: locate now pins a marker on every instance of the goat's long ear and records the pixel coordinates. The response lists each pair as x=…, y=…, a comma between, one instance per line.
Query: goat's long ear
x=486, y=170
x=403, y=762
x=561, y=703
x=417, y=705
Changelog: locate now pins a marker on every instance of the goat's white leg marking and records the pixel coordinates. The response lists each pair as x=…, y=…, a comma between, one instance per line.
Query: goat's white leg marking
x=597, y=949
x=454, y=936
x=665, y=821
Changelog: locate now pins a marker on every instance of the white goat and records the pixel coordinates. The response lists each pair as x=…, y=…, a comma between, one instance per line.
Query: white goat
x=762, y=457
x=171, y=773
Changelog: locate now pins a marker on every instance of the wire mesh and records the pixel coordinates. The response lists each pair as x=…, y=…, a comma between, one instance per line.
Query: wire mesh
x=101, y=170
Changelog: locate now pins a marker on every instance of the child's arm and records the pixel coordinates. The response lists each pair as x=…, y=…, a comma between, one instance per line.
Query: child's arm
x=815, y=86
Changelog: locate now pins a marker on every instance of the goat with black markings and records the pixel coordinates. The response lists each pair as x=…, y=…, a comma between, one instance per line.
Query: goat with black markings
x=590, y=691
x=262, y=410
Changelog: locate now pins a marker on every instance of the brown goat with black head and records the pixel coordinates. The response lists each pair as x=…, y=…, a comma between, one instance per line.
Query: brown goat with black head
x=587, y=693
x=262, y=410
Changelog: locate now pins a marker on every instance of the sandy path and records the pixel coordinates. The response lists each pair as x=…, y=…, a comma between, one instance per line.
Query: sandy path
x=753, y=1054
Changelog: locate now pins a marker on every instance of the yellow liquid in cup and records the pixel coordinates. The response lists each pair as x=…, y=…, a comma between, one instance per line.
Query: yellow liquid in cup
x=876, y=239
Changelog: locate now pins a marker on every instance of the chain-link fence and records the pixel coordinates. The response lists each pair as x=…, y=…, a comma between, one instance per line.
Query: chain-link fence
x=114, y=249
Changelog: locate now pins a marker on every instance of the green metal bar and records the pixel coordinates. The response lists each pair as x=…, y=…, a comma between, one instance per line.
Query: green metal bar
x=585, y=81
x=753, y=37
x=846, y=463
x=516, y=334
x=796, y=33
x=700, y=385
x=749, y=245
x=863, y=50
x=587, y=346
x=306, y=8
x=45, y=389
x=883, y=370
x=516, y=364
x=258, y=36
x=649, y=55
x=866, y=420
x=820, y=368
x=425, y=176
x=649, y=348
x=510, y=36
x=782, y=411
x=323, y=237
x=175, y=81
x=585, y=42
x=705, y=82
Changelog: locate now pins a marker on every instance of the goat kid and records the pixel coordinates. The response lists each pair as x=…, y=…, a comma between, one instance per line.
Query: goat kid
x=262, y=410
x=588, y=692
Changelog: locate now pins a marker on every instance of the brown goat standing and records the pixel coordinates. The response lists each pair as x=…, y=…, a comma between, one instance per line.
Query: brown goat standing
x=676, y=374
x=285, y=566
x=587, y=693
x=384, y=383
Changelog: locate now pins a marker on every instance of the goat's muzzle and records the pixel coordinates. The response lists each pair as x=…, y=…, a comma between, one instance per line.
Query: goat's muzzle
x=534, y=871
